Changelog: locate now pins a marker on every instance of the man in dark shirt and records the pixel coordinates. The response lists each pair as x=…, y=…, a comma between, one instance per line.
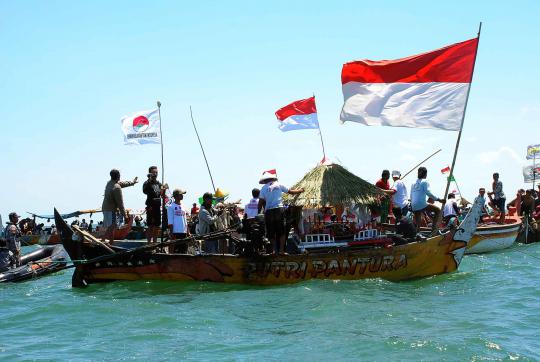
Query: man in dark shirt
x=153, y=190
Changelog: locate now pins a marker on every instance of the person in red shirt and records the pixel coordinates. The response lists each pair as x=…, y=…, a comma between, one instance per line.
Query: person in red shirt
x=384, y=185
x=194, y=209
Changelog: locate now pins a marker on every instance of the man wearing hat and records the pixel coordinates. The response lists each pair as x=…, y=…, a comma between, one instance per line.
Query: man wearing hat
x=207, y=219
x=399, y=198
x=177, y=220
x=12, y=235
x=270, y=199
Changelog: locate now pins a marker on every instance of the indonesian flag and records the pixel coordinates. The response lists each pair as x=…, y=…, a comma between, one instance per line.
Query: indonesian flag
x=141, y=128
x=445, y=170
x=427, y=90
x=301, y=114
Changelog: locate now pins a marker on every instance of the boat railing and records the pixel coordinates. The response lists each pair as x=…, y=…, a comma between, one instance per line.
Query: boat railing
x=312, y=241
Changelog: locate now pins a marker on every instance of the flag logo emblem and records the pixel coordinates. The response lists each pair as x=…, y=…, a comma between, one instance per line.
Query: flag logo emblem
x=140, y=124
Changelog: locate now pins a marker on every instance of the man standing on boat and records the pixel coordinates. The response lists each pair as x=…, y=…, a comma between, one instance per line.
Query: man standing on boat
x=384, y=185
x=270, y=199
x=177, y=220
x=499, y=199
x=419, y=193
x=207, y=220
x=154, y=192
x=113, y=201
x=399, y=198
x=12, y=235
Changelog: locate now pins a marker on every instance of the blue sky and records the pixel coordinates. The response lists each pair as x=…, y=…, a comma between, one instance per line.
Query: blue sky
x=72, y=69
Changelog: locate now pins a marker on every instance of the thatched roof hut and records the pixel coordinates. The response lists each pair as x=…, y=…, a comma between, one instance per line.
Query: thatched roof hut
x=333, y=185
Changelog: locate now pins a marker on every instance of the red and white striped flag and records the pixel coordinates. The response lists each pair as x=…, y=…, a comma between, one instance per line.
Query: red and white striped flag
x=445, y=170
x=427, y=90
x=301, y=114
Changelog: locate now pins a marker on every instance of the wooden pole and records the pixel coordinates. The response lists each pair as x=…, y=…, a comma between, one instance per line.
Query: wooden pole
x=320, y=134
x=463, y=117
x=427, y=158
x=161, y=141
x=202, y=149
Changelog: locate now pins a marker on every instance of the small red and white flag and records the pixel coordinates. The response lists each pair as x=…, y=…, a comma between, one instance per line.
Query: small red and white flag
x=427, y=90
x=141, y=128
x=445, y=170
x=301, y=114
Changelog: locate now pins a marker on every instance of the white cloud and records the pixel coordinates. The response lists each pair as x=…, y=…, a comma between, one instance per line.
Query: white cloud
x=489, y=157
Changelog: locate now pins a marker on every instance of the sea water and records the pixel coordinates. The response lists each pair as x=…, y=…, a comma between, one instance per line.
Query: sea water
x=488, y=310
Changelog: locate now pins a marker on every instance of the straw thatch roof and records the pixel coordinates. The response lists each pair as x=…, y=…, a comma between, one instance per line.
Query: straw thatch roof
x=333, y=185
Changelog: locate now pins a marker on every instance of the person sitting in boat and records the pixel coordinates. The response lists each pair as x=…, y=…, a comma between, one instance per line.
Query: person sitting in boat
x=84, y=224
x=270, y=199
x=499, y=199
x=399, y=198
x=12, y=236
x=450, y=210
x=252, y=207
x=208, y=217
x=419, y=193
x=113, y=201
x=177, y=220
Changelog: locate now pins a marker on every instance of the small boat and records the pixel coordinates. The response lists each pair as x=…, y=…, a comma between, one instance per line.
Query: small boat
x=40, y=262
x=490, y=236
x=98, y=262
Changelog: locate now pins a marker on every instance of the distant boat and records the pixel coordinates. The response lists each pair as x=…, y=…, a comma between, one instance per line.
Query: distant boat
x=492, y=236
x=38, y=263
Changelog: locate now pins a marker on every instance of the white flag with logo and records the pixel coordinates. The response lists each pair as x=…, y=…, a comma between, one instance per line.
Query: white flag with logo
x=141, y=128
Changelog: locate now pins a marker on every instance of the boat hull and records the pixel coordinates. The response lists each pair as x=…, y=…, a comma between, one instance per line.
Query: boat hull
x=410, y=261
x=492, y=238
x=37, y=263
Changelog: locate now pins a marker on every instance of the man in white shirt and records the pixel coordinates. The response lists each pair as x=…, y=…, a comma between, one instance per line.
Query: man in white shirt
x=177, y=220
x=450, y=209
x=419, y=192
x=399, y=198
x=270, y=199
x=252, y=207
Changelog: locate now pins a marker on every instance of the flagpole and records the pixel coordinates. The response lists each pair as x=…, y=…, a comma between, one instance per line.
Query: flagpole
x=202, y=149
x=534, y=169
x=463, y=117
x=161, y=141
x=320, y=134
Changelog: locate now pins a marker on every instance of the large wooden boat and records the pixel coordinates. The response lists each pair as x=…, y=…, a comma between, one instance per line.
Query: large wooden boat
x=96, y=262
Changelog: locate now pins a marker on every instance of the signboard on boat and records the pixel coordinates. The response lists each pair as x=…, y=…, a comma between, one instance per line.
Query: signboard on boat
x=533, y=151
x=529, y=175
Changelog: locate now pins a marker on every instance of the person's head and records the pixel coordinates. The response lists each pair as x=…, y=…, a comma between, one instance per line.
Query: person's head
x=194, y=204
x=482, y=191
x=529, y=192
x=91, y=221
x=496, y=176
x=115, y=174
x=178, y=194
x=385, y=175
x=83, y=220
x=396, y=175
x=153, y=172
x=255, y=193
x=207, y=199
x=451, y=196
x=14, y=217
x=422, y=172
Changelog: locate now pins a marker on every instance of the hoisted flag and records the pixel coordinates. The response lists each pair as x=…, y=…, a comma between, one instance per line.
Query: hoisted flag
x=445, y=170
x=533, y=151
x=427, y=90
x=141, y=128
x=301, y=114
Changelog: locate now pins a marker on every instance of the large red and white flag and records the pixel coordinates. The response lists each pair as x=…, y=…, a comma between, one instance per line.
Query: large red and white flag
x=141, y=128
x=301, y=114
x=427, y=90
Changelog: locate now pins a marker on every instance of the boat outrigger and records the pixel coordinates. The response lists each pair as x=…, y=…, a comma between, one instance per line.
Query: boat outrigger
x=394, y=259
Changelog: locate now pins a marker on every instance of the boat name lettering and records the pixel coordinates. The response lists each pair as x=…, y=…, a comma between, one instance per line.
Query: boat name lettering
x=326, y=268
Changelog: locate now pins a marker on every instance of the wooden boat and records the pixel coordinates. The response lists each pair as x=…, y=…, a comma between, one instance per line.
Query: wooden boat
x=490, y=236
x=119, y=234
x=96, y=262
x=40, y=262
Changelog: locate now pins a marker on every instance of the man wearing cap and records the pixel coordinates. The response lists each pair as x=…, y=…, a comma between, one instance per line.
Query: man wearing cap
x=113, y=201
x=177, y=220
x=270, y=199
x=399, y=198
x=12, y=236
